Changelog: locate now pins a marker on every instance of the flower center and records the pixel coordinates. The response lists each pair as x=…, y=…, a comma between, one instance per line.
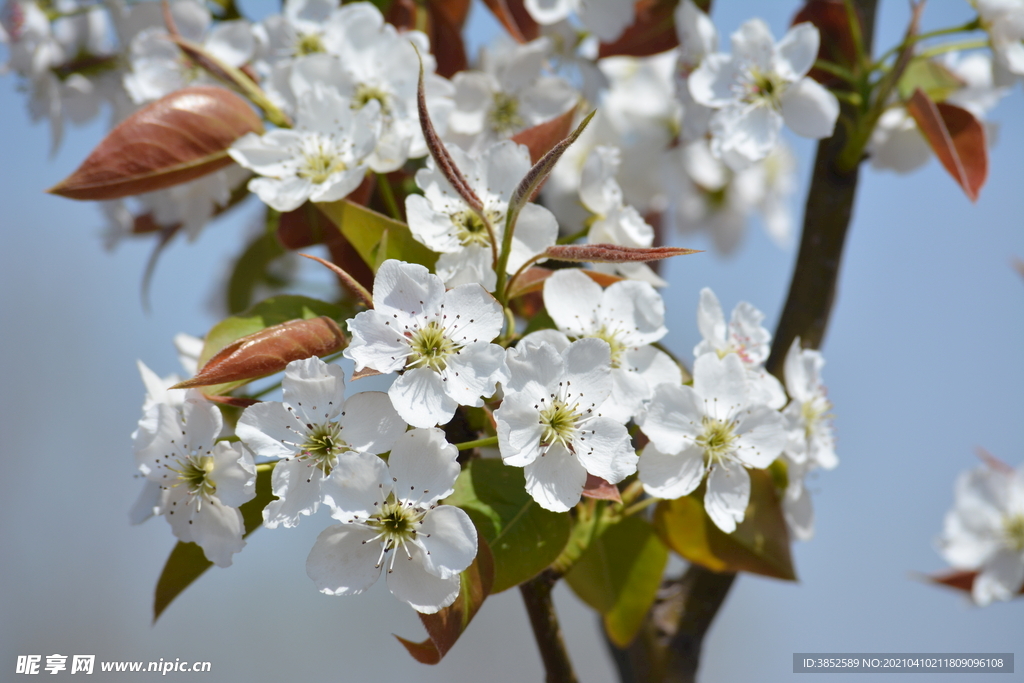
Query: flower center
x=431, y=347
x=365, y=94
x=612, y=338
x=323, y=445
x=1013, y=531
x=504, y=115
x=766, y=87
x=319, y=162
x=718, y=439
x=813, y=412
x=470, y=229
x=396, y=525
x=559, y=421
x=308, y=44
x=194, y=475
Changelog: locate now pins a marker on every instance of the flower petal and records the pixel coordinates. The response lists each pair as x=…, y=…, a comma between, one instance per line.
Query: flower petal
x=809, y=109
x=671, y=476
x=449, y=538
x=423, y=465
x=727, y=495
x=409, y=580
x=357, y=486
x=556, y=479
x=343, y=560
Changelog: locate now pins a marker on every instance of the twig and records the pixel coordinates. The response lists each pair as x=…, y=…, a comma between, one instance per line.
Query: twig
x=546, y=630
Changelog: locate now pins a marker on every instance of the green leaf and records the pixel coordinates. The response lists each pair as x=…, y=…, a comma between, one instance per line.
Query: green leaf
x=251, y=269
x=376, y=237
x=759, y=545
x=524, y=537
x=187, y=561
x=933, y=78
x=267, y=313
x=619, y=575
x=445, y=627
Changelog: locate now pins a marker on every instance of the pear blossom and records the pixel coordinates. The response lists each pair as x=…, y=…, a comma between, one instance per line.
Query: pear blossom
x=613, y=222
x=698, y=38
x=302, y=28
x=758, y=87
x=508, y=94
x=712, y=428
x=550, y=421
x=309, y=431
x=203, y=481
x=1004, y=22
x=984, y=531
x=439, y=341
x=745, y=337
x=390, y=518
x=442, y=220
x=322, y=159
x=367, y=60
x=811, y=442
x=629, y=316
x=158, y=67
x=606, y=19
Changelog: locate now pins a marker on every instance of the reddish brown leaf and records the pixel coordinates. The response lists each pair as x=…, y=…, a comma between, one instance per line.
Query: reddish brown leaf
x=268, y=351
x=533, y=280
x=234, y=401
x=956, y=137
x=596, y=487
x=513, y=16
x=442, y=21
x=1018, y=265
x=542, y=137
x=837, y=45
x=349, y=282
x=653, y=31
x=178, y=138
x=959, y=579
x=993, y=462
x=445, y=627
x=613, y=253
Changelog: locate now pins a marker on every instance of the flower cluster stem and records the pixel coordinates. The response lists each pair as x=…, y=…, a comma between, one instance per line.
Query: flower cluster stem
x=546, y=629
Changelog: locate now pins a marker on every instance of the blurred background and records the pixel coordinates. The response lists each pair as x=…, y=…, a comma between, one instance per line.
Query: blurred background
x=924, y=364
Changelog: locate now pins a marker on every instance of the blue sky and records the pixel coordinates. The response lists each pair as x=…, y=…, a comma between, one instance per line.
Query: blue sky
x=924, y=364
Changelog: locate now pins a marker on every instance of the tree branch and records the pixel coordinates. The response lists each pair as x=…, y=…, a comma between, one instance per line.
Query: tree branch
x=546, y=631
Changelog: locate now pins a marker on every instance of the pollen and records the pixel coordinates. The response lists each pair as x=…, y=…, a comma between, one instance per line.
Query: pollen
x=431, y=347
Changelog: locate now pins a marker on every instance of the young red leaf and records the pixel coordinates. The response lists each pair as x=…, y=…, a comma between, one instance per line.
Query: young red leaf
x=542, y=137
x=532, y=280
x=513, y=16
x=445, y=627
x=959, y=579
x=268, y=351
x=598, y=488
x=178, y=138
x=653, y=31
x=956, y=137
x=613, y=253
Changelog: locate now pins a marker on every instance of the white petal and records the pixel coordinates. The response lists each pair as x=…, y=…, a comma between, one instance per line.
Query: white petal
x=1001, y=578
x=588, y=372
x=406, y=290
x=283, y=195
x=673, y=417
x=217, y=529
x=296, y=483
x=605, y=450
x=761, y=436
x=343, y=559
x=572, y=299
x=420, y=398
x=147, y=504
x=797, y=51
x=314, y=389
x=270, y=430
x=356, y=487
x=378, y=341
x=556, y=479
x=519, y=429
x=234, y=474
x=370, y=423
x=449, y=537
x=799, y=514
x=472, y=315
x=727, y=495
x=409, y=580
x=424, y=466
x=671, y=476
x=809, y=109
x=474, y=372
x=721, y=382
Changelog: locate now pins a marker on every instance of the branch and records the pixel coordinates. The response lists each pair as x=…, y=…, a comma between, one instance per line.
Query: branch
x=548, y=634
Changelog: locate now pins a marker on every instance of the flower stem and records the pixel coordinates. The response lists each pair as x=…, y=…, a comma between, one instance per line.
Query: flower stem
x=387, y=195
x=546, y=630
x=479, y=443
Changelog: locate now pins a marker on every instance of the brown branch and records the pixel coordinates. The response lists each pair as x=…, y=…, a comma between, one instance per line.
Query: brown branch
x=546, y=630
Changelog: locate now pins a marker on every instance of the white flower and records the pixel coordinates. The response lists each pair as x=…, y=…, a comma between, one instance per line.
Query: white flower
x=745, y=337
x=606, y=19
x=310, y=431
x=758, y=87
x=508, y=95
x=203, y=481
x=550, y=422
x=1004, y=22
x=368, y=60
x=629, y=316
x=985, y=532
x=442, y=221
x=390, y=517
x=322, y=159
x=710, y=428
x=439, y=341
x=613, y=222
x=158, y=67
x=697, y=39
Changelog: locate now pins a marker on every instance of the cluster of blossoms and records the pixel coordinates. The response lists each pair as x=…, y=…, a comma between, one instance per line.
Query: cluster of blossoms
x=984, y=532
